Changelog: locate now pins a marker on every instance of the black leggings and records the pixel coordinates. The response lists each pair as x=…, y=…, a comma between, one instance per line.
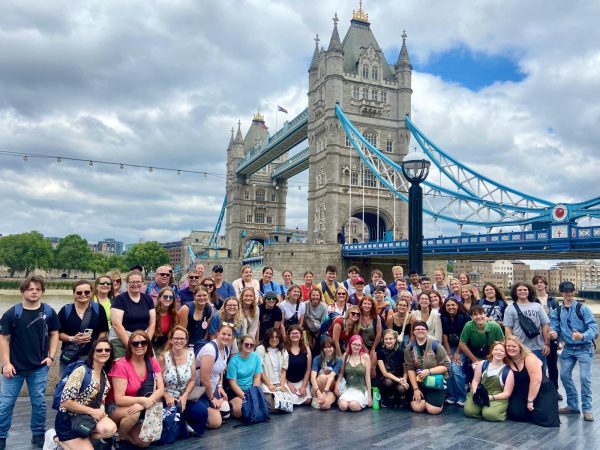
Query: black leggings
x=391, y=392
x=552, y=361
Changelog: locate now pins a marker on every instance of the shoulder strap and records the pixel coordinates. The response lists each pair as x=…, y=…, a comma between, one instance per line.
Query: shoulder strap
x=505, y=371
x=68, y=309
x=519, y=312
x=485, y=365
x=261, y=285
x=98, y=400
x=325, y=288
x=297, y=306
x=559, y=311
x=578, y=311
x=87, y=317
x=434, y=346
x=18, y=311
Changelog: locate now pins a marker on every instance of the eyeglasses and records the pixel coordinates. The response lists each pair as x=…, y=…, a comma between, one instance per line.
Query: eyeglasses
x=103, y=350
x=105, y=283
x=82, y=293
x=193, y=278
x=208, y=285
x=143, y=343
x=419, y=329
x=168, y=297
x=117, y=280
x=179, y=339
x=135, y=282
x=248, y=345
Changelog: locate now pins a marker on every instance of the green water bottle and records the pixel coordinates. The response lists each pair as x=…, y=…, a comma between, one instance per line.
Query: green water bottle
x=376, y=398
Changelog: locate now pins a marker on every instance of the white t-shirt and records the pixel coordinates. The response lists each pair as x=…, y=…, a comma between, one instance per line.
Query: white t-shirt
x=273, y=353
x=219, y=366
x=289, y=309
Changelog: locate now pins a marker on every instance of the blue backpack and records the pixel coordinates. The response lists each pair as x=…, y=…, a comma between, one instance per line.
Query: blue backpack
x=505, y=370
x=254, y=408
x=327, y=322
x=87, y=379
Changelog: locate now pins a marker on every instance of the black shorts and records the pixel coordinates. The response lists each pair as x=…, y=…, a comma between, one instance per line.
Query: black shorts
x=435, y=397
x=62, y=425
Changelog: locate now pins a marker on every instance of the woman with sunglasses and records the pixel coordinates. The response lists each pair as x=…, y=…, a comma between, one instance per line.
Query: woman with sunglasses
x=117, y=282
x=299, y=365
x=324, y=375
x=81, y=323
x=78, y=399
x=179, y=374
x=230, y=313
x=293, y=308
x=166, y=319
x=425, y=357
x=103, y=294
x=127, y=377
x=246, y=280
x=213, y=298
x=275, y=359
x=212, y=361
x=196, y=317
x=186, y=294
x=344, y=327
x=340, y=306
x=390, y=368
x=131, y=310
x=357, y=369
x=243, y=371
x=250, y=312
x=401, y=321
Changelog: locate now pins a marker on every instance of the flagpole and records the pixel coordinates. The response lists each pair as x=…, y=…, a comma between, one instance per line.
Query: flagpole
x=276, y=115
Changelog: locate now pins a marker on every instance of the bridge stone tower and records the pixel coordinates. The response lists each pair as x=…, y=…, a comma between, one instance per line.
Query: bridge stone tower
x=376, y=96
x=255, y=204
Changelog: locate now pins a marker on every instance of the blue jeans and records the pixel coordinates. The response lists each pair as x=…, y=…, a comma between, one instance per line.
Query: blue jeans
x=457, y=381
x=542, y=358
x=568, y=359
x=36, y=385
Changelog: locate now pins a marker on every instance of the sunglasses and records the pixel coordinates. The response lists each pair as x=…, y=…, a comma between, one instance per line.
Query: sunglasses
x=194, y=278
x=229, y=324
x=271, y=299
x=341, y=294
x=118, y=280
x=208, y=285
x=354, y=314
x=82, y=293
x=164, y=274
x=143, y=343
x=168, y=297
x=105, y=283
x=103, y=350
x=248, y=345
x=218, y=271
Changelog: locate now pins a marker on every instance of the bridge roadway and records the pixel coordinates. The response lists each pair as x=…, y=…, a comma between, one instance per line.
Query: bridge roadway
x=576, y=242
x=307, y=428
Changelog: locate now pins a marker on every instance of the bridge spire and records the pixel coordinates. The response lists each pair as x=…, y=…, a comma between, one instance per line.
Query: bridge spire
x=314, y=63
x=238, y=137
x=335, y=44
x=403, y=58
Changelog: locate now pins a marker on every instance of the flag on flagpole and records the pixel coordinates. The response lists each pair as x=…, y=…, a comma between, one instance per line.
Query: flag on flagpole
x=263, y=126
x=283, y=110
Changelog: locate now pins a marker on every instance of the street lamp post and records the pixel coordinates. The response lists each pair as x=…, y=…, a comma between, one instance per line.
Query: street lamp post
x=415, y=167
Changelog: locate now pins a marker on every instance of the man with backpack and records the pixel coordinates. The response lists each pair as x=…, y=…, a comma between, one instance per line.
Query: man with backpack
x=575, y=325
x=329, y=285
x=28, y=346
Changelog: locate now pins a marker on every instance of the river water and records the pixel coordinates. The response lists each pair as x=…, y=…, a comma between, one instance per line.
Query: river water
x=56, y=301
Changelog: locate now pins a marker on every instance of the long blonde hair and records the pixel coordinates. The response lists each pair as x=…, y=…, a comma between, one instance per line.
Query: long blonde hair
x=524, y=349
x=253, y=308
x=237, y=319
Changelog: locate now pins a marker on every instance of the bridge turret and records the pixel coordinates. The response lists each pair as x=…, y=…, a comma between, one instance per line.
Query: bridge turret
x=403, y=65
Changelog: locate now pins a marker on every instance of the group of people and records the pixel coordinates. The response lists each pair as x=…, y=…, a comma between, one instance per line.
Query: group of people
x=132, y=352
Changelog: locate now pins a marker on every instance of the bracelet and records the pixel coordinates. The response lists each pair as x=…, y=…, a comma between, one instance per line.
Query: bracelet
x=493, y=397
x=219, y=385
x=529, y=401
x=326, y=390
x=51, y=358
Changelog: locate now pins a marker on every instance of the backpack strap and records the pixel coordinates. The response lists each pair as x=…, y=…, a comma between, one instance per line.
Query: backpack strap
x=325, y=288
x=98, y=400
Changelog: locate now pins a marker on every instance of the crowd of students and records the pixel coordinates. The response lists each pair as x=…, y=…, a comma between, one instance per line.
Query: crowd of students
x=133, y=354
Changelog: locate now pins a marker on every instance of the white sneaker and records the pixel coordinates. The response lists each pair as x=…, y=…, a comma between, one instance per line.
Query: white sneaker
x=49, y=442
x=460, y=403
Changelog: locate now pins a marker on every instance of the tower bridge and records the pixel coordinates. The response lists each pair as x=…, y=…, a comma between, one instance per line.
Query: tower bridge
x=355, y=131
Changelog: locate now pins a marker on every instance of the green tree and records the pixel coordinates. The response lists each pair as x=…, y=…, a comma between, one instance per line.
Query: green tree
x=98, y=263
x=25, y=252
x=117, y=262
x=150, y=255
x=72, y=253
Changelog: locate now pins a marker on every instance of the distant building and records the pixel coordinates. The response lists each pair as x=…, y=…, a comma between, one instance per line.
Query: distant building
x=108, y=246
x=174, y=249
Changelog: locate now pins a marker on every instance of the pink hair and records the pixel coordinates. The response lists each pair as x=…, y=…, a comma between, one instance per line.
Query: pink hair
x=353, y=339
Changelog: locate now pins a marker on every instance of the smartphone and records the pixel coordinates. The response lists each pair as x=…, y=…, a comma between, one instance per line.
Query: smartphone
x=88, y=332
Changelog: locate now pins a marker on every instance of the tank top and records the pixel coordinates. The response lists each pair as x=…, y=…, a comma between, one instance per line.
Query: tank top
x=176, y=377
x=368, y=334
x=521, y=388
x=398, y=328
x=492, y=379
x=296, y=367
x=355, y=376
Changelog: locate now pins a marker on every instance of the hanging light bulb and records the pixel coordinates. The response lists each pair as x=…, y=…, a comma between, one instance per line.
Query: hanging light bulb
x=179, y=172
x=59, y=159
x=150, y=169
x=299, y=187
x=91, y=163
x=25, y=158
x=205, y=174
x=121, y=166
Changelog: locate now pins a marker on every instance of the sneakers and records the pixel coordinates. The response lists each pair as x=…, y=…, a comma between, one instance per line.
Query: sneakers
x=450, y=401
x=460, y=403
x=2, y=443
x=567, y=410
x=588, y=416
x=37, y=440
x=49, y=442
x=560, y=397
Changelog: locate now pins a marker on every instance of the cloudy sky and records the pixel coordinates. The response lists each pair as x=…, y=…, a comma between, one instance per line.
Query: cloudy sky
x=511, y=88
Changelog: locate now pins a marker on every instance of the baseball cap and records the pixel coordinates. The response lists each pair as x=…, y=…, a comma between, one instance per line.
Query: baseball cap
x=566, y=286
x=217, y=268
x=359, y=280
x=270, y=294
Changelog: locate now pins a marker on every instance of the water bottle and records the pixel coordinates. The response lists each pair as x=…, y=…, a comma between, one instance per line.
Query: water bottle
x=376, y=398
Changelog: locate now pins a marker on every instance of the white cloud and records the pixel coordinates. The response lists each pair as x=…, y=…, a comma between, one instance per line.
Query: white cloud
x=162, y=83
